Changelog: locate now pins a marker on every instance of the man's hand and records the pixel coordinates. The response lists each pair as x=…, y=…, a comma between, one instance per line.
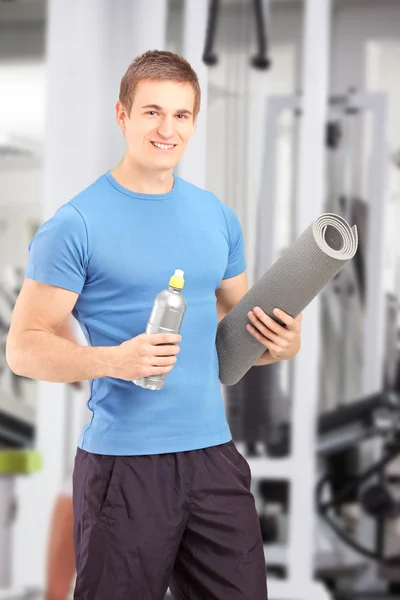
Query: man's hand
x=145, y=355
x=282, y=343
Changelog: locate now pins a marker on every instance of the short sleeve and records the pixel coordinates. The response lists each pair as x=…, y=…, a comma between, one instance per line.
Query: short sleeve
x=58, y=251
x=236, y=259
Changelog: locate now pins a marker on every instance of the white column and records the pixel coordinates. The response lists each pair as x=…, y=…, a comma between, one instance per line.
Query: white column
x=257, y=151
x=7, y=499
x=73, y=153
x=193, y=164
x=130, y=28
x=84, y=79
x=311, y=196
x=149, y=25
x=89, y=46
x=375, y=309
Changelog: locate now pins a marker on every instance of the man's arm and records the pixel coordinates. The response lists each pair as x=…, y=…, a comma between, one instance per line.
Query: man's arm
x=228, y=295
x=35, y=348
x=66, y=331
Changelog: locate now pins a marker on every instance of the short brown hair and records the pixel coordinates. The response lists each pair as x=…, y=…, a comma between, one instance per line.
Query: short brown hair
x=158, y=64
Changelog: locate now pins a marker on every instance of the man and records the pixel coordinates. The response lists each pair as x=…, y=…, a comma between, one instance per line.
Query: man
x=161, y=494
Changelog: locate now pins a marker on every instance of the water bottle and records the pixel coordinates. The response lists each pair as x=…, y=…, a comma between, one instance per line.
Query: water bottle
x=166, y=317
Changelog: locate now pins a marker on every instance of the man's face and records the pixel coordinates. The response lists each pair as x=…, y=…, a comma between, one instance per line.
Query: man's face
x=160, y=124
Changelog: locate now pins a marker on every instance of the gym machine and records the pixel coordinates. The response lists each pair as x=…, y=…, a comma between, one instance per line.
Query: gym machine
x=357, y=431
x=17, y=458
x=261, y=59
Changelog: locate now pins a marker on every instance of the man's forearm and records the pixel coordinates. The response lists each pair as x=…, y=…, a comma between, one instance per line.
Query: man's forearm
x=48, y=357
x=265, y=359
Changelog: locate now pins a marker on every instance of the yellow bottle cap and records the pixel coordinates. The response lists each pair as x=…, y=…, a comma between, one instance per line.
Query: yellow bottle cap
x=177, y=281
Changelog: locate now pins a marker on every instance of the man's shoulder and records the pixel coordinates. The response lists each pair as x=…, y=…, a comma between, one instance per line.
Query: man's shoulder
x=90, y=194
x=190, y=189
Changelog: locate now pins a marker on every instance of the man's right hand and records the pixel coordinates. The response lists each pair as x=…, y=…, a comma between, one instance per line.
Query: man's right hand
x=143, y=356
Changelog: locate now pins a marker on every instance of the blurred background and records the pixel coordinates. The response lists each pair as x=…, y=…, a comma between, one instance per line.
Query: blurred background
x=300, y=115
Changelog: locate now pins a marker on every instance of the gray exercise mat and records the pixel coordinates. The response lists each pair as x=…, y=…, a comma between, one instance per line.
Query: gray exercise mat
x=292, y=282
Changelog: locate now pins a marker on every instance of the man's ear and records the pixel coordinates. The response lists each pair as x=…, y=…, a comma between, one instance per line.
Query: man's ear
x=120, y=115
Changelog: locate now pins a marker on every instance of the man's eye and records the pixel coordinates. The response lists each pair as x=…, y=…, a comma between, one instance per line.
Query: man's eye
x=151, y=112
x=183, y=116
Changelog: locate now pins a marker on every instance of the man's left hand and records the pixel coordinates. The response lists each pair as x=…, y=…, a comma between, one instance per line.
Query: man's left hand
x=282, y=343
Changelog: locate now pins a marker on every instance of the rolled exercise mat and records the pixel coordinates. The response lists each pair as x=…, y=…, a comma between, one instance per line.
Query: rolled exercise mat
x=293, y=281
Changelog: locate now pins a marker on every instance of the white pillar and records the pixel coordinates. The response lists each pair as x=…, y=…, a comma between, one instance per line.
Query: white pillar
x=149, y=25
x=376, y=286
x=311, y=197
x=130, y=28
x=73, y=159
x=7, y=500
x=193, y=164
x=75, y=74
x=257, y=152
x=89, y=46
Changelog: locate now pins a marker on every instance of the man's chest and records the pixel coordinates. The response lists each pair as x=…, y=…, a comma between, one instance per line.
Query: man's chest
x=141, y=254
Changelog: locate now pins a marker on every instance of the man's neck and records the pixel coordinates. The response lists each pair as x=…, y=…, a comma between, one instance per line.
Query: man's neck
x=143, y=182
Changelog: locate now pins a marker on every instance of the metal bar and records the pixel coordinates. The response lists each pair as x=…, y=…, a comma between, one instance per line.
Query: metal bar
x=260, y=60
x=311, y=195
x=256, y=152
x=265, y=247
x=209, y=56
x=374, y=325
x=374, y=318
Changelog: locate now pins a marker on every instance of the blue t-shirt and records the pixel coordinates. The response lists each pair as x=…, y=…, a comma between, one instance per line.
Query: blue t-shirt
x=118, y=249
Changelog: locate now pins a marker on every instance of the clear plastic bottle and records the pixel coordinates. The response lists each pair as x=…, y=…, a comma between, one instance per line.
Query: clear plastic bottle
x=166, y=317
